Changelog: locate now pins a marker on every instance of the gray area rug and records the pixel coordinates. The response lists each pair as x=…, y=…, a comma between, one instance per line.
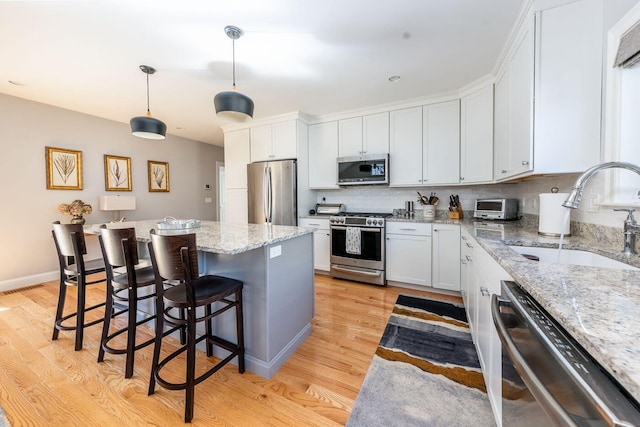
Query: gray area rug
x=425, y=371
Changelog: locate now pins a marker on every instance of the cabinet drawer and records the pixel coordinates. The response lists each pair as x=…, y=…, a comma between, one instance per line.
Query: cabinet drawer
x=319, y=224
x=412, y=228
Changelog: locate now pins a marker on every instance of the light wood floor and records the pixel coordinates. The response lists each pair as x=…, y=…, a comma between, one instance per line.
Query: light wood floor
x=46, y=383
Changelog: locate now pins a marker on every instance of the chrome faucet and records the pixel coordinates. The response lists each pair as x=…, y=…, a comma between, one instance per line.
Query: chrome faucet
x=573, y=200
x=631, y=227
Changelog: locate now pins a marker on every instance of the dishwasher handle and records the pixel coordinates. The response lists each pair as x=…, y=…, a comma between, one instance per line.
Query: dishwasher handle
x=548, y=403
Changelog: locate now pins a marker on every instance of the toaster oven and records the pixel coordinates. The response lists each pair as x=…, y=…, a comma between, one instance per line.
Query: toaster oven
x=496, y=209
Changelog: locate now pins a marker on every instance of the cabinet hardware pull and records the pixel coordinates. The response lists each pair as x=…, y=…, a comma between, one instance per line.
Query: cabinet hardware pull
x=503, y=171
x=485, y=292
x=525, y=163
x=463, y=261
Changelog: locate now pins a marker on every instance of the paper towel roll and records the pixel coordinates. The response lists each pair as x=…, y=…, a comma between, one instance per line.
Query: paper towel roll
x=552, y=215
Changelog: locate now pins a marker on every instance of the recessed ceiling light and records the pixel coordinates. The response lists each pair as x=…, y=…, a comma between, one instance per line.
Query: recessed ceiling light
x=17, y=83
x=394, y=78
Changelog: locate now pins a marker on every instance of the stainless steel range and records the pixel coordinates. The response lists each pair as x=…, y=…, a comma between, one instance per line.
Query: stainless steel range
x=357, y=247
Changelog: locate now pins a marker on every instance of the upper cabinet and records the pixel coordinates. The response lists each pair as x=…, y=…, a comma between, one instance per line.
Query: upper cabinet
x=441, y=143
x=424, y=145
x=323, y=151
x=274, y=141
x=360, y=136
x=548, y=93
x=476, y=136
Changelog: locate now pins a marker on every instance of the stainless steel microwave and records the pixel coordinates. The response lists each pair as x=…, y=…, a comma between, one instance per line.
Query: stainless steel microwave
x=496, y=209
x=362, y=170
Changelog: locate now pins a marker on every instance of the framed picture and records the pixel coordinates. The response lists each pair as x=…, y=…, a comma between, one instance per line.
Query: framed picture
x=158, y=176
x=117, y=173
x=64, y=168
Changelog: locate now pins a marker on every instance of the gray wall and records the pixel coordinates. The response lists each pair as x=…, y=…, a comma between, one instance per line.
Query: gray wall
x=28, y=208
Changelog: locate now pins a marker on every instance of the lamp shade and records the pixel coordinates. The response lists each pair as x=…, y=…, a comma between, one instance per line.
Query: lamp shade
x=148, y=127
x=117, y=203
x=233, y=106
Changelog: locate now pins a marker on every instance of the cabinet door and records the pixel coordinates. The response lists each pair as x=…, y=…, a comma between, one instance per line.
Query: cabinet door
x=323, y=151
x=446, y=257
x=236, y=157
x=441, y=143
x=501, y=127
x=350, y=137
x=285, y=140
x=321, y=241
x=405, y=147
x=261, y=143
x=375, y=138
x=476, y=136
x=237, y=206
x=521, y=104
x=409, y=259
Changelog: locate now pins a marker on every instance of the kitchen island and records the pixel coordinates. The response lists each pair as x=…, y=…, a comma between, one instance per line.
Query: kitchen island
x=276, y=265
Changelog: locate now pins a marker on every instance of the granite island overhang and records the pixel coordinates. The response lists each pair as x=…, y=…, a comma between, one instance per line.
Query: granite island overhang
x=276, y=265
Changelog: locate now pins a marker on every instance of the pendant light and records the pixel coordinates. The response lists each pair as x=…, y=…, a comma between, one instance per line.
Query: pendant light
x=146, y=126
x=232, y=105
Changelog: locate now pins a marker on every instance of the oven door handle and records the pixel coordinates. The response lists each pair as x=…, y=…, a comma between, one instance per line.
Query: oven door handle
x=364, y=273
x=367, y=230
x=536, y=387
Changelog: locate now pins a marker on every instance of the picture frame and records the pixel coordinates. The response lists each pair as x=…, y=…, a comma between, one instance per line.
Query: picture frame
x=158, y=176
x=63, y=168
x=117, y=173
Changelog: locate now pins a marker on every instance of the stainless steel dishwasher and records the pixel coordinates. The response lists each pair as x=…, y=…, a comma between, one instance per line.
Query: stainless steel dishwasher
x=547, y=378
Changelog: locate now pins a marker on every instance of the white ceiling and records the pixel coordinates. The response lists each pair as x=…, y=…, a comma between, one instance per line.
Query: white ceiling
x=316, y=56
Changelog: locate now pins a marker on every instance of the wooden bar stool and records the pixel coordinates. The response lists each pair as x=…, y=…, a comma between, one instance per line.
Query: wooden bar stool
x=74, y=269
x=174, y=258
x=126, y=286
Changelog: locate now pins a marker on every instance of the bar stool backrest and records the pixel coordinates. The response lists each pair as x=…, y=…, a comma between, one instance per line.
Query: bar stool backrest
x=65, y=240
x=114, y=251
x=168, y=255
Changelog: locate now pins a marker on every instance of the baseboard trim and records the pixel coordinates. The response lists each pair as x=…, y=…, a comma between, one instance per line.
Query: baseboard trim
x=26, y=281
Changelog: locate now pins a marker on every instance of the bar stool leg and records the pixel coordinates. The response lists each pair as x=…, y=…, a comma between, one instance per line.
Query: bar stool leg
x=131, y=331
x=62, y=295
x=191, y=366
x=108, y=311
x=80, y=313
x=240, y=331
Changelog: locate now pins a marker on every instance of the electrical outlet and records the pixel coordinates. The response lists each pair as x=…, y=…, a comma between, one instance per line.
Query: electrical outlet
x=275, y=251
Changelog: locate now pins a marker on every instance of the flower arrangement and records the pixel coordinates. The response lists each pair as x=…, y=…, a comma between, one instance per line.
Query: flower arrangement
x=76, y=209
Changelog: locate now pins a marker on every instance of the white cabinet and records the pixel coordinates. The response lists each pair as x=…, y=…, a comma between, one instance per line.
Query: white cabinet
x=274, y=141
x=323, y=151
x=446, y=257
x=560, y=132
x=237, y=206
x=408, y=253
x=481, y=277
x=236, y=157
x=405, y=147
x=364, y=135
x=441, y=143
x=375, y=137
x=424, y=145
x=321, y=241
x=476, y=136
x=514, y=109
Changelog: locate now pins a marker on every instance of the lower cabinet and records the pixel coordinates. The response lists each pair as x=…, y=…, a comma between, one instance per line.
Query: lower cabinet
x=446, y=257
x=481, y=279
x=321, y=241
x=408, y=253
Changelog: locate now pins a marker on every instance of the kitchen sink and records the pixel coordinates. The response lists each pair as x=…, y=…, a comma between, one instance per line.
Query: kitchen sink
x=573, y=257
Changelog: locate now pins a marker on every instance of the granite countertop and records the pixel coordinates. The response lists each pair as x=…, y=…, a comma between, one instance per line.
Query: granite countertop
x=224, y=237
x=599, y=307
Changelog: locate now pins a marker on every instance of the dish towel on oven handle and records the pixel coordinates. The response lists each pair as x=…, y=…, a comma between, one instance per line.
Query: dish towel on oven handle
x=353, y=241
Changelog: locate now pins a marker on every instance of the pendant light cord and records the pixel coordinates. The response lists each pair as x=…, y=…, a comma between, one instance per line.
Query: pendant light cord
x=233, y=44
x=148, y=110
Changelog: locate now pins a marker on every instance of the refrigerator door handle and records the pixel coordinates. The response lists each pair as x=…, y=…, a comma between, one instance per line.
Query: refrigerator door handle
x=265, y=183
x=269, y=198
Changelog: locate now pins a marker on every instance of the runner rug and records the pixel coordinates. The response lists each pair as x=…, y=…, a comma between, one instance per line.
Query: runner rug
x=425, y=371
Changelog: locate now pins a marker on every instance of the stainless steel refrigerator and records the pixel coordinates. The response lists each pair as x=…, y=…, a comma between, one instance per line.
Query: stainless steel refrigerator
x=273, y=192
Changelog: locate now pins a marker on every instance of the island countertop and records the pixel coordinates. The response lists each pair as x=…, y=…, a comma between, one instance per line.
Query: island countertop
x=224, y=237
